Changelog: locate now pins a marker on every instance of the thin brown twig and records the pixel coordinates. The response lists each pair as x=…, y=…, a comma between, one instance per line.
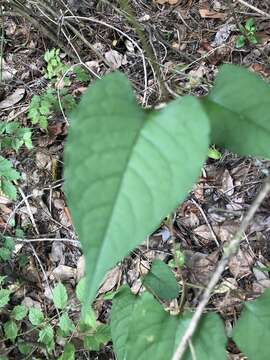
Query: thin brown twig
x=254, y=8
x=231, y=250
x=125, y=35
x=207, y=222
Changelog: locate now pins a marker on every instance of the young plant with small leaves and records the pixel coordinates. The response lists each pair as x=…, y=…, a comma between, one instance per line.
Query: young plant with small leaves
x=14, y=136
x=43, y=107
x=46, y=329
x=7, y=176
x=248, y=34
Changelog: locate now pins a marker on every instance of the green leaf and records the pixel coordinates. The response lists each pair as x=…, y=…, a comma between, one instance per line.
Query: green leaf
x=43, y=122
x=252, y=39
x=66, y=324
x=2, y=279
x=45, y=335
x=81, y=74
x=209, y=340
x=178, y=260
x=122, y=309
x=8, y=189
x=69, y=352
x=23, y=347
x=238, y=107
x=44, y=108
x=161, y=282
x=19, y=312
x=4, y=297
x=141, y=329
x=80, y=289
x=240, y=42
x=100, y=337
x=35, y=316
x=214, y=154
x=151, y=331
x=132, y=168
x=252, y=330
x=11, y=330
x=9, y=243
x=5, y=254
x=249, y=25
x=109, y=295
x=88, y=320
x=60, y=296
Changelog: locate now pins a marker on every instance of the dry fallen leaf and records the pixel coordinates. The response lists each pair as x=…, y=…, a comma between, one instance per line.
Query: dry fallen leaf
x=262, y=278
x=115, y=59
x=63, y=273
x=12, y=99
x=170, y=2
x=201, y=265
x=30, y=303
x=227, y=186
x=204, y=232
x=80, y=268
x=57, y=252
x=240, y=264
x=110, y=280
x=206, y=13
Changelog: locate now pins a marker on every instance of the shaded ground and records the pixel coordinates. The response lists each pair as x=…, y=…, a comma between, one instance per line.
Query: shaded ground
x=189, y=40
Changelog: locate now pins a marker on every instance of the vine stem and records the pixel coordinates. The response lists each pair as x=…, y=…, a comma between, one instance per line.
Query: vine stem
x=229, y=251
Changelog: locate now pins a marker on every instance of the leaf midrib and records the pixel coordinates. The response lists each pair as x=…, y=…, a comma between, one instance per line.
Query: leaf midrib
x=105, y=233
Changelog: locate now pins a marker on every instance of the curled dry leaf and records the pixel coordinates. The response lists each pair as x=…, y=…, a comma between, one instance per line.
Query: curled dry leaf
x=227, y=186
x=226, y=286
x=30, y=303
x=240, y=264
x=57, y=252
x=206, y=13
x=170, y=2
x=115, y=59
x=262, y=278
x=111, y=280
x=12, y=99
x=204, y=232
x=43, y=161
x=63, y=273
x=80, y=272
x=201, y=265
x=223, y=34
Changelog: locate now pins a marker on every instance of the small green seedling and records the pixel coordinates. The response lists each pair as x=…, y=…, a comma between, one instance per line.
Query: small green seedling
x=55, y=67
x=214, y=154
x=248, y=34
x=13, y=136
x=7, y=176
x=43, y=106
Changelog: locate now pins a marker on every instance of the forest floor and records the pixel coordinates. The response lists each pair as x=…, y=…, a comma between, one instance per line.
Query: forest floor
x=189, y=39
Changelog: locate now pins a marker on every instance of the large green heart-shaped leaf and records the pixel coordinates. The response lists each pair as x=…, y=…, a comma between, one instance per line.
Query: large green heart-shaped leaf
x=126, y=169
x=121, y=315
x=141, y=329
x=209, y=340
x=252, y=330
x=238, y=107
